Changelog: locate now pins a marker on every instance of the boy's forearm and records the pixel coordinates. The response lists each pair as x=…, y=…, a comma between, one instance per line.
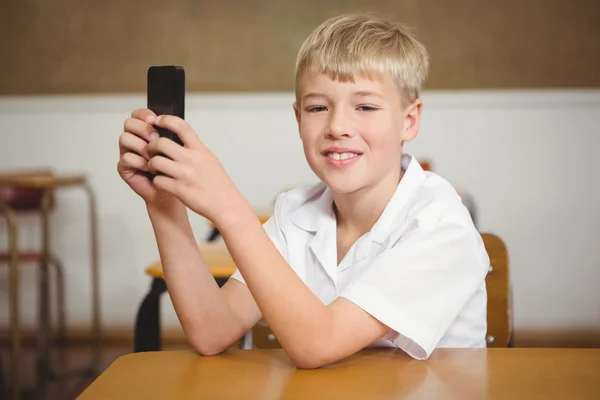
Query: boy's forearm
x=200, y=306
x=298, y=318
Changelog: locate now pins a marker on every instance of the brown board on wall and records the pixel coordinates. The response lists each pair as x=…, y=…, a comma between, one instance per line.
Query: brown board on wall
x=88, y=46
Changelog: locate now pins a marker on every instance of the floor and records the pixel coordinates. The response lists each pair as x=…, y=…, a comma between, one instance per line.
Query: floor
x=67, y=361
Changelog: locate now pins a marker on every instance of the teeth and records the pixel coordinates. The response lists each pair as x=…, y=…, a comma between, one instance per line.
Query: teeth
x=340, y=156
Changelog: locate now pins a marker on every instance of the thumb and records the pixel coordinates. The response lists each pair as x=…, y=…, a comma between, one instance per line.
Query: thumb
x=181, y=128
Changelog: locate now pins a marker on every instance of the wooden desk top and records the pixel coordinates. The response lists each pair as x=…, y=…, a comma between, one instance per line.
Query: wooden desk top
x=41, y=181
x=498, y=373
x=215, y=255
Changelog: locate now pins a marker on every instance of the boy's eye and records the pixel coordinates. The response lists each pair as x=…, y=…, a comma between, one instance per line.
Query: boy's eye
x=316, y=109
x=366, y=108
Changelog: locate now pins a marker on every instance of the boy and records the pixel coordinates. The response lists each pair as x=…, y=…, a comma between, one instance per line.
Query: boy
x=380, y=253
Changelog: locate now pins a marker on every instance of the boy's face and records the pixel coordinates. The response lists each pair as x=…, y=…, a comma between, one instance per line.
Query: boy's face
x=352, y=132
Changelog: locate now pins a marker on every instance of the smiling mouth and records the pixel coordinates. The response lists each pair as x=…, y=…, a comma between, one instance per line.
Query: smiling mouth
x=341, y=156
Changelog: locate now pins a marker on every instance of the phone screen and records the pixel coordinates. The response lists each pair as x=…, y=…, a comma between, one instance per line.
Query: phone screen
x=166, y=94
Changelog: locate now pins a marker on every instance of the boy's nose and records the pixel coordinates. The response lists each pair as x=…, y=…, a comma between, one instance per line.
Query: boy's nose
x=337, y=128
x=337, y=132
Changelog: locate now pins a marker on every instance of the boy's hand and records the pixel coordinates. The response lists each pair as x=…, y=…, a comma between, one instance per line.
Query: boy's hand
x=134, y=156
x=191, y=173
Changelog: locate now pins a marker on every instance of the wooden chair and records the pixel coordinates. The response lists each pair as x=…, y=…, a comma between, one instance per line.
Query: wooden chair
x=499, y=308
x=499, y=316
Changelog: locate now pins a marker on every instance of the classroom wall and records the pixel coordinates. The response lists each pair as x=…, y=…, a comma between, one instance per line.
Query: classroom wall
x=529, y=158
x=87, y=46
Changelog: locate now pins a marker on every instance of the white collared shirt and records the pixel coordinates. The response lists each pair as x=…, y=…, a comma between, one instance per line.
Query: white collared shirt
x=420, y=270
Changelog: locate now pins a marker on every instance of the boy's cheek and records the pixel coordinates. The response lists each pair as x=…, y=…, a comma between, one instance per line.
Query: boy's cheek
x=307, y=131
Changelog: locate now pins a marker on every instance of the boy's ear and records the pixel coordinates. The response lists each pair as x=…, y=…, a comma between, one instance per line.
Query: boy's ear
x=297, y=113
x=413, y=120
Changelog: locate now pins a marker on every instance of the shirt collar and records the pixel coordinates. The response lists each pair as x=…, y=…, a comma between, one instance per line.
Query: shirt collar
x=413, y=178
x=315, y=211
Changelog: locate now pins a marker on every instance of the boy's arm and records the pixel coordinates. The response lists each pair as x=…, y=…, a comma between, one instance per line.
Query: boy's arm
x=212, y=318
x=311, y=333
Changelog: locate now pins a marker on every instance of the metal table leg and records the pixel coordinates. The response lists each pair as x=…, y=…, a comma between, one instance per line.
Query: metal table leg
x=43, y=337
x=96, y=323
x=13, y=288
x=147, y=324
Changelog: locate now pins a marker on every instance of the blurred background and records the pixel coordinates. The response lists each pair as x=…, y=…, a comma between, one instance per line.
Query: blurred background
x=511, y=118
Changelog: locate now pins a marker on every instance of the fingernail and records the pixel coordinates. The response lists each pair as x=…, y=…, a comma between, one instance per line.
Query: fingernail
x=150, y=119
x=158, y=119
x=154, y=136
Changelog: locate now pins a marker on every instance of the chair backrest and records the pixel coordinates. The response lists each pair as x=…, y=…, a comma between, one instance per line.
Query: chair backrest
x=23, y=198
x=499, y=319
x=499, y=313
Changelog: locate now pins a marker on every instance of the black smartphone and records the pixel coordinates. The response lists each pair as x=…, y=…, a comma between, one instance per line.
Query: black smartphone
x=166, y=94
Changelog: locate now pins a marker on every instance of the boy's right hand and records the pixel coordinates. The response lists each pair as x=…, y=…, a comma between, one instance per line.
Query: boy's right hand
x=134, y=156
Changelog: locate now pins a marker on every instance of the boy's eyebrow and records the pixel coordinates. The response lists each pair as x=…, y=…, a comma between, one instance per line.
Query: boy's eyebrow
x=362, y=93
x=313, y=95
x=366, y=93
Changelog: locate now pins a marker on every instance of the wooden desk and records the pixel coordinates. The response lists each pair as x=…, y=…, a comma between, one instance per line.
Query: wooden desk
x=512, y=373
x=215, y=255
x=36, y=181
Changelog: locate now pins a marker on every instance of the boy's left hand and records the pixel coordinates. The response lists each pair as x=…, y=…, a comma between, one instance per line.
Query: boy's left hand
x=192, y=173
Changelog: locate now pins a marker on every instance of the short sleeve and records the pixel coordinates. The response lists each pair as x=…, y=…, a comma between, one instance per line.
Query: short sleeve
x=419, y=286
x=274, y=233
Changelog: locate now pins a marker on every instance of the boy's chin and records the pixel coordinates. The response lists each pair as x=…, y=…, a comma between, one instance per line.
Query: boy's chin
x=342, y=182
x=342, y=186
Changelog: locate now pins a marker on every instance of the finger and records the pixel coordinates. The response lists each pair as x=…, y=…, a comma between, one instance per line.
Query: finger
x=129, y=142
x=180, y=128
x=143, y=114
x=166, y=147
x=165, y=183
x=160, y=164
x=134, y=161
x=140, y=128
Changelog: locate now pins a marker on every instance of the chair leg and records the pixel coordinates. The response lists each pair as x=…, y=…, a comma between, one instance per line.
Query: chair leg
x=221, y=281
x=61, y=333
x=214, y=235
x=13, y=289
x=95, y=282
x=147, y=324
x=3, y=390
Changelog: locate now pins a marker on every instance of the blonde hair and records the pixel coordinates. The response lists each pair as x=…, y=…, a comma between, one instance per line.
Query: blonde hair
x=368, y=45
